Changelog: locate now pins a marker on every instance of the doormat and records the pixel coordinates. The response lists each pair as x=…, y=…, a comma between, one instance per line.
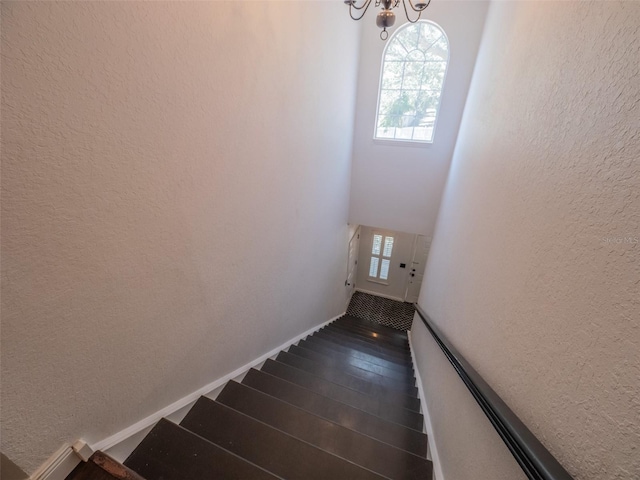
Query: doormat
x=391, y=313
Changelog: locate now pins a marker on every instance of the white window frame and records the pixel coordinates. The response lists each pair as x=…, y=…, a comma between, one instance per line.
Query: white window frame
x=405, y=141
x=380, y=257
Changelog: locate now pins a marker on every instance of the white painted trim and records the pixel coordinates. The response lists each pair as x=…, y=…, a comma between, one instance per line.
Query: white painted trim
x=349, y=299
x=355, y=232
x=390, y=297
x=433, y=450
x=58, y=465
x=152, y=419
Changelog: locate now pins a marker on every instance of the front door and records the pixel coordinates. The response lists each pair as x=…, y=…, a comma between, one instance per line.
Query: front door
x=416, y=271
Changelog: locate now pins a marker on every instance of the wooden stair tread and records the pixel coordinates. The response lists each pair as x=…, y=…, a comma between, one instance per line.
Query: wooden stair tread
x=324, y=434
x=366, y=423
x=361, y=346
x=390, y=341
x=337, y=360
x=366, y=339
x=170, y=452
x=332, y=348
x=373, y=387
x=372, y=326
x=102, y=467
x=267, y=447
x=375, y=406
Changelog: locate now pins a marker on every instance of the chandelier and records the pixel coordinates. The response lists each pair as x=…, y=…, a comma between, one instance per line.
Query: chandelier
x=386, y=17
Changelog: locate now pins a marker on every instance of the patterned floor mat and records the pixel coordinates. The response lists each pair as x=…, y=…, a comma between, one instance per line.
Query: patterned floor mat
x=387, y=312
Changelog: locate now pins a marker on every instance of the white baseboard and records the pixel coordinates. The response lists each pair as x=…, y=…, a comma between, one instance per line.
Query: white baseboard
x=433, y=450
x=58, y=465
x=377, y=294
x=62, y=463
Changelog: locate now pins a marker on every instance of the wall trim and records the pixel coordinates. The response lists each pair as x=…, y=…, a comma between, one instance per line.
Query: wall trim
x=62, y=463
x=433, y=449
x=377, y=294
x=58, y=465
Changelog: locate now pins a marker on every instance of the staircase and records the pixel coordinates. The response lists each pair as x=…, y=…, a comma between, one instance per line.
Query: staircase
x=342, y=404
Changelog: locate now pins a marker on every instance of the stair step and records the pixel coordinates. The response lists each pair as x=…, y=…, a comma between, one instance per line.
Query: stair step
x=376, y=388
x=391, y=341
x=375, y=406
x=267, y=447
x=363, y=347
x=90, y=471
x=397, y=372
x=357, y=368
x=170, y=452
x=102, y=467
x=373, y=326
x=369, y=339
x=322, y=344
x=328, y=436
x=358, y=420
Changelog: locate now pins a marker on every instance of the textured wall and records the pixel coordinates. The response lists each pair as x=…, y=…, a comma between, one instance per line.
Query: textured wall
x=535, y=265
x=174, y=201
x=397, y=185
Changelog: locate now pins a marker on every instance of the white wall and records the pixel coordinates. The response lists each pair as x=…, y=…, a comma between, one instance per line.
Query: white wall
x=398, y=186
x=402, y=253
x=534, y=268
x=164, y=165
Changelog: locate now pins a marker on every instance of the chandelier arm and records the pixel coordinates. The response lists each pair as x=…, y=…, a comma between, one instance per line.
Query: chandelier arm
x=404, y=4
x=417, y=9
x=364, y=5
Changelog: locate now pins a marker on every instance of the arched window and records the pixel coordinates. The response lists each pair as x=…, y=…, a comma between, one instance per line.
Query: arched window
x=414, y=66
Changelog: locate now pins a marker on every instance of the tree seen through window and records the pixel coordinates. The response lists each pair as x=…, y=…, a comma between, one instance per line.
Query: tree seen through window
x=413, y=71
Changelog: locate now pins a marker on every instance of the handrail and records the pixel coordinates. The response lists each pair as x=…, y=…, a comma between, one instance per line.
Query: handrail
x=534, y=459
